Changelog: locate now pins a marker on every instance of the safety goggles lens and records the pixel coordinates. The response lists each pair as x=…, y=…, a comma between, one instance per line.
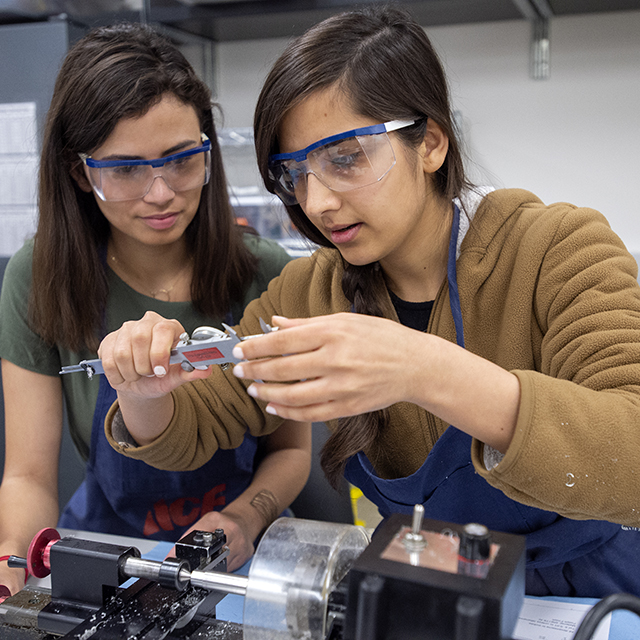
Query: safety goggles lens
x=345, y=162
x=119, y=180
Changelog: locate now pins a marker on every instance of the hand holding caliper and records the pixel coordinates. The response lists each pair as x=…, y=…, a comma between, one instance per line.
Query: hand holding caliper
x=205, y=346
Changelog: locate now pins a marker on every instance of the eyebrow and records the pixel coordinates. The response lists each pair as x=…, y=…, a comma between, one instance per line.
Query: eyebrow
x=175, y=149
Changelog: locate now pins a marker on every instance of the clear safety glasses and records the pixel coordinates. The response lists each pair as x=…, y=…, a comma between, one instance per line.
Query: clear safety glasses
x=118, y=180
x=342, y=162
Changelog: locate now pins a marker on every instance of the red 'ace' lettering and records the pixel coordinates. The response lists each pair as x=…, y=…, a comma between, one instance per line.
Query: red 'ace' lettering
x=182, y=512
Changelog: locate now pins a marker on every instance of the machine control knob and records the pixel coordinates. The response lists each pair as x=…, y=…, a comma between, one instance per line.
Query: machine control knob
x=475, y=542
x=474, y=555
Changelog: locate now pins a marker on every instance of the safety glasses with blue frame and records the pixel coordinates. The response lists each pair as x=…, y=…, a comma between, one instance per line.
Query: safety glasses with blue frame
x=342, y=162
x=120, y=180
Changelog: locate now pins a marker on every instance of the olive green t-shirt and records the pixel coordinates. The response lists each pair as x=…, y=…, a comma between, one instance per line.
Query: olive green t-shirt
x=21, y=346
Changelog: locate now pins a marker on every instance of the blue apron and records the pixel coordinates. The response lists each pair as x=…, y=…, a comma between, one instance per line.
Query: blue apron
x=128, y=497
x=586, y=558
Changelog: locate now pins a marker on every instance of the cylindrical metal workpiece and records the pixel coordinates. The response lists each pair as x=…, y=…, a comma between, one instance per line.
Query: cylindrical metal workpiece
x=174, y=573
x=212, y=580
x=227, y=582
x=141, y=568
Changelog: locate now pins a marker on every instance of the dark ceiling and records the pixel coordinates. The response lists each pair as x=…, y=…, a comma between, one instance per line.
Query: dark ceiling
x=224, y=20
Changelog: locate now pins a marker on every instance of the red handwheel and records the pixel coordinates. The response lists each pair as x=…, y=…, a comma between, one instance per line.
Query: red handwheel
x=4, y=593
x=39, y=550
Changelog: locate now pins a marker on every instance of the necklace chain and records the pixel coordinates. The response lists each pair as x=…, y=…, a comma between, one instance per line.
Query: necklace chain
x=154, y=293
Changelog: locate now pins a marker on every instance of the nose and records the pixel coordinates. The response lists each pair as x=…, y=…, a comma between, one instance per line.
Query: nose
x=159, y=191
x=319, y=197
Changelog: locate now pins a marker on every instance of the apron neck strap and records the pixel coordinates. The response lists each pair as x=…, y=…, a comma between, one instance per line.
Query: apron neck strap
x=452, y=279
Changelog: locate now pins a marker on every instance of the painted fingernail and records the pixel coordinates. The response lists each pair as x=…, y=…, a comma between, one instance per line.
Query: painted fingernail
x=160, y=371
x=238, y=371
x=271, y=410
x=237, y=352
x=252, y=391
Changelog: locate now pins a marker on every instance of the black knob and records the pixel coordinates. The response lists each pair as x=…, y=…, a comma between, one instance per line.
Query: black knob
x=475, y=542
x=475, y=551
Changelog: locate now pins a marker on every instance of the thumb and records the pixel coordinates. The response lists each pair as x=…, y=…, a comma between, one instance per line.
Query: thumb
x=196, y=374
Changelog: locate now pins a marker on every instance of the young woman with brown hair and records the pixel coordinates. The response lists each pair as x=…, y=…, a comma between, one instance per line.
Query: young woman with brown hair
x=473, y=350
x=134, y=216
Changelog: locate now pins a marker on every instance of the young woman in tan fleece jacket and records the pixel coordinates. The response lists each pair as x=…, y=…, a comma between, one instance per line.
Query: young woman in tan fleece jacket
x=472, y=350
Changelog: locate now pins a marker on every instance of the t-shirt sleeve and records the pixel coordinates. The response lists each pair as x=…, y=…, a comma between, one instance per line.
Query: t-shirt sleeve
x=18, y=343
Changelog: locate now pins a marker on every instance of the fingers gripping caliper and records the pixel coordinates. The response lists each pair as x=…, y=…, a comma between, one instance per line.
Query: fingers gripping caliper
x=205, y=346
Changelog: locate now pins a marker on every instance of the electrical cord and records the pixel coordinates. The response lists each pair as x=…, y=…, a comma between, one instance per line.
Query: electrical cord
x=599, y=610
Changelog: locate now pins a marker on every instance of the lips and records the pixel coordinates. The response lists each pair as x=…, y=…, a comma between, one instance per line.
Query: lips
x=345, y=234
x=161, y=222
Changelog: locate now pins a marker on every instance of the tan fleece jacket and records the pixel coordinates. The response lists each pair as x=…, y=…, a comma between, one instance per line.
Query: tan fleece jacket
x=547, y=292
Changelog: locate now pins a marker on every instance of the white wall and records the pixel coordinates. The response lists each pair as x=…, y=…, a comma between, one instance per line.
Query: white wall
x=574, y=137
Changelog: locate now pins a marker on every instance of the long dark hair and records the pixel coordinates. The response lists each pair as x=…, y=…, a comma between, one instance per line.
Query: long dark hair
x=117, y=72
x=383, y=63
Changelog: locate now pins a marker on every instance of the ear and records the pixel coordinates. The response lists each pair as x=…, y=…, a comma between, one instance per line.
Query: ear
x=434, y=147
x=77, y=173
